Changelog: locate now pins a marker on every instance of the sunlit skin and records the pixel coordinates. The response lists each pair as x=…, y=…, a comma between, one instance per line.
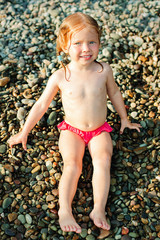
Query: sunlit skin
x=84, y=99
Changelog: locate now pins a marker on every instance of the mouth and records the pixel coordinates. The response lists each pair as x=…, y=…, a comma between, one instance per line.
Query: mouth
x=86, y=57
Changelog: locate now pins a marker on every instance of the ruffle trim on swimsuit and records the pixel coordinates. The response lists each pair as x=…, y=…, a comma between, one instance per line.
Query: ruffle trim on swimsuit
x=65, y=126
x=86, y=135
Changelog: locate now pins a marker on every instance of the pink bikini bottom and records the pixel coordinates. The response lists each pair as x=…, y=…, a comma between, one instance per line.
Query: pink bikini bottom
x=85, y=135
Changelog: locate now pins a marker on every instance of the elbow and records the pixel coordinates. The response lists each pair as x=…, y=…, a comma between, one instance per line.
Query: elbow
x=40, y=107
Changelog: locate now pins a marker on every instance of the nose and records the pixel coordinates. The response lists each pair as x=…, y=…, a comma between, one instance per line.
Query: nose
x=85, y=47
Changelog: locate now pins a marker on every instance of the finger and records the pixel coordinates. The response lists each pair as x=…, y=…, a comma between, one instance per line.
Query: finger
x=10, y=143
x=136, y=128
x=24, y=146
x=121, y=130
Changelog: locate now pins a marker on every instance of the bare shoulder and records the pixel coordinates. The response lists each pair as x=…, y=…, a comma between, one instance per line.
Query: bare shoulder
x=107, y=68
x=57, y=77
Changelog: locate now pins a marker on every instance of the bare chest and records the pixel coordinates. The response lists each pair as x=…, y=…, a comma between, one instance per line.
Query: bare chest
x=84, y=89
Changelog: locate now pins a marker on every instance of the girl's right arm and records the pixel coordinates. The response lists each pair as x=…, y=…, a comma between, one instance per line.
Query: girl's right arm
x=37, y=111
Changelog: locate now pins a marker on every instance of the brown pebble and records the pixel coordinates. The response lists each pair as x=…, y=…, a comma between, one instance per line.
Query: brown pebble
x=152, y=114
x=4, y=81
x=26, y=191
x=37, y=189
x=38, y=206
x=49, y=198
x=75, y=237
x=35, y=164
x=104, y=233
x=157, y=227
x=85, y=219
x=53, y=180
x=36, y=169
x=137, y=66
x=14, y=203
x=142, y=58
x=139, y=150
x=129, y=93
x=8, y=179
x=144, y=220
x=27, y=93
x=9, y=167
x=54, y=211
x=149, y=167
x=49, y=159
x=12, y=216
x=125, y=230
x=55, y=192
x=29, y=232
x=51, y=205
x=17, y=222
x=43, y=157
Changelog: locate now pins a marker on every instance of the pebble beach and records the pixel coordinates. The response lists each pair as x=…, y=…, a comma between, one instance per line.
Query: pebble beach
x=29, y=180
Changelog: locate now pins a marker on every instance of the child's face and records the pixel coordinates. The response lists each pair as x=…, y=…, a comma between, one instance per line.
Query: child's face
x=84, y=46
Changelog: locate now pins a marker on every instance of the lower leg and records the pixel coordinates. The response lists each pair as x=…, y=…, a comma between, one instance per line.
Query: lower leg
x=101, y=185
x=67, y=190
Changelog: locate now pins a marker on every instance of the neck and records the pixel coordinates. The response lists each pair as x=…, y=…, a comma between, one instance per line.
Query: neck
x=82, y=68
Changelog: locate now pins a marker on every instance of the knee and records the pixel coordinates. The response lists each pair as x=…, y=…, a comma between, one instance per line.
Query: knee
x=103, y=161
x=73, y=167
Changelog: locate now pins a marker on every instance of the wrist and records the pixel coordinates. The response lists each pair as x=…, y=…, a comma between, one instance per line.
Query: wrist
x=24, y=132
x=123, y=119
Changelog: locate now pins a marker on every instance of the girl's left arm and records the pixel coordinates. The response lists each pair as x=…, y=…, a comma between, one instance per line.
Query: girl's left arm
x=118, y=103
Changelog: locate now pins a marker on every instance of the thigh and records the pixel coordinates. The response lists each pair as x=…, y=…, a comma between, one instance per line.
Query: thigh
x=101, y=147
x=71, y=146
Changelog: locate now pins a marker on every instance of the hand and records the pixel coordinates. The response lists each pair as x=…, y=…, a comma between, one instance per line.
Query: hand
x=18, y=138
x=128, y=124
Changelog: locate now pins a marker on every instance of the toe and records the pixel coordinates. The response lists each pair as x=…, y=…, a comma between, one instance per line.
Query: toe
x=64, y=228
x=73, y=228
x=98, y=223
x=78, y=230
x=68, y=229
x=104, y=225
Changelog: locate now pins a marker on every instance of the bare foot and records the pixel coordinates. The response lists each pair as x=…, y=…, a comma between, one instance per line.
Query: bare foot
x=67, y=222
x=99, y=219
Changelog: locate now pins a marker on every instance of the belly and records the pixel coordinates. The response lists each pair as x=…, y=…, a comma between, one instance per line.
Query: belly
x=85, y=120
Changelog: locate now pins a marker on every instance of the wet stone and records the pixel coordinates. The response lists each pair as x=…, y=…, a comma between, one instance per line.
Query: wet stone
x=138, y=41
x=21, y=218
x=90, y=237
x=133, y=234
x=126, y=237
x=3, y=148
x=21, y=113
x=6, y=203
x=10, y=232
x=5, y=226
x=28, y=219
x=52, y=118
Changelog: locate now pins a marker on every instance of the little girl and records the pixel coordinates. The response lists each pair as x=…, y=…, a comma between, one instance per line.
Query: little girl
x=84, y=85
